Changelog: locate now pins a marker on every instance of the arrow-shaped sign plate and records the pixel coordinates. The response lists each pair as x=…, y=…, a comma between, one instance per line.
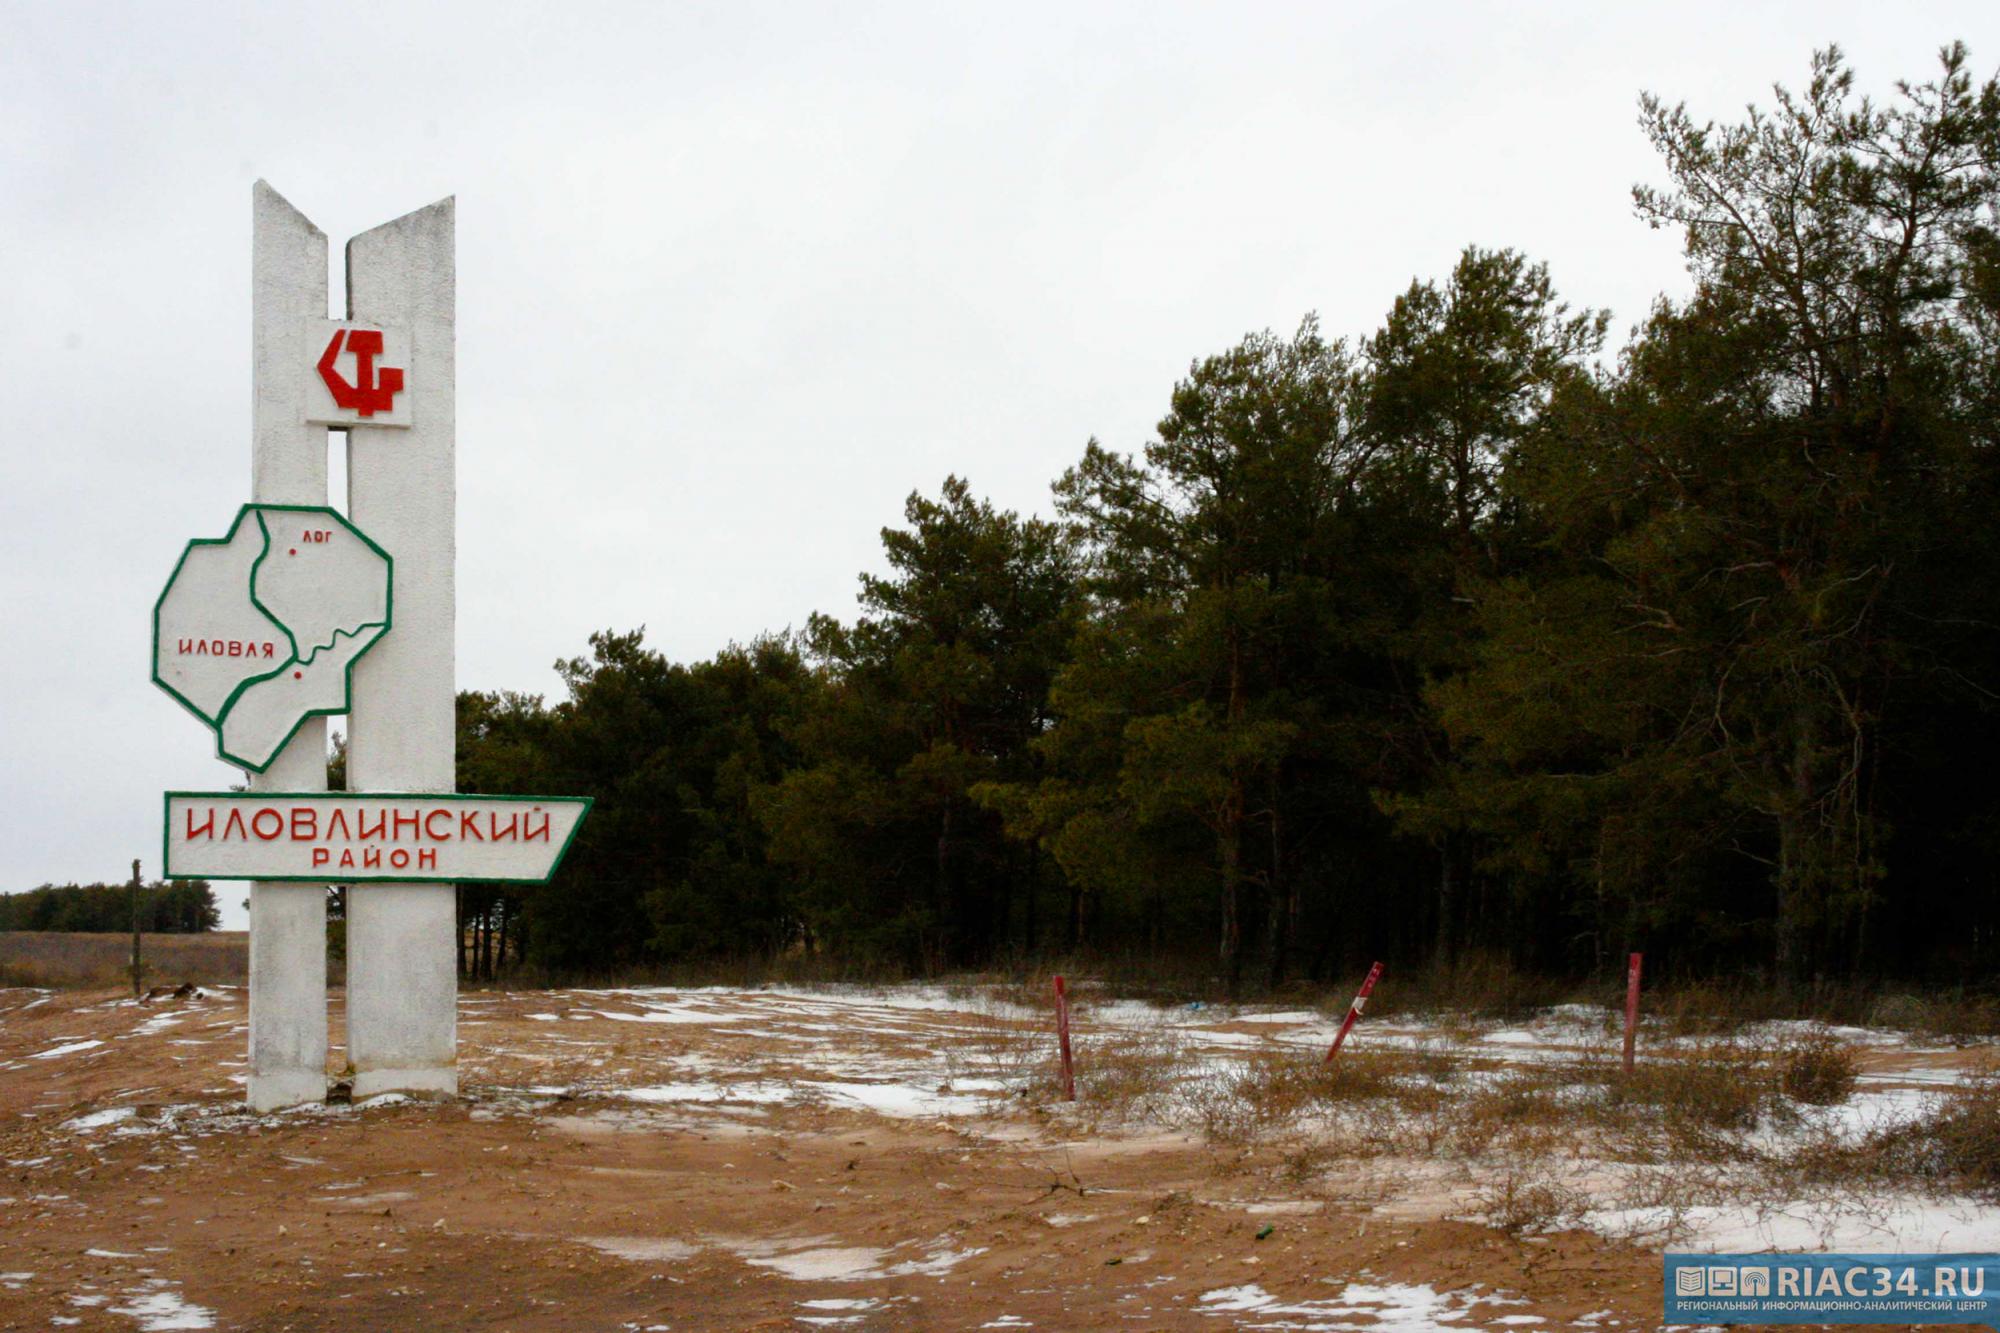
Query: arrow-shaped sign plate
x=369, y=837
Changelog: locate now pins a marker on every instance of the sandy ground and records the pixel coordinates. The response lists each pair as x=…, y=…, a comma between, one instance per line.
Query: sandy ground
x=714, y=1160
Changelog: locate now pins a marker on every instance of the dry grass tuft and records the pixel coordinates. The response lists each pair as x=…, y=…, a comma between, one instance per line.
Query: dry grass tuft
x=1524, y=1202
x=1818, y=1070
x=1717, y=1086
x=1956, y=1146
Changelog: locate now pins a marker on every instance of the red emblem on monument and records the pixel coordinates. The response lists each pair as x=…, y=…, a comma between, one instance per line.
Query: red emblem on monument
x=374, y=390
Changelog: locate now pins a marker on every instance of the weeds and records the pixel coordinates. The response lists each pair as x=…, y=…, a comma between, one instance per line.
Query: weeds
x=1956, y=1146
x=1523, y=1202
x=1819, y=1070
x=1717, y=1086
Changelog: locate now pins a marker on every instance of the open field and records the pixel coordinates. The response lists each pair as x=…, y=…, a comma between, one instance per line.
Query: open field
x=885, y=1159
x=78, y=958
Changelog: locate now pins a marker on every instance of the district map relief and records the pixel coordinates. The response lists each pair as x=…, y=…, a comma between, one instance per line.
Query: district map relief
x=258, y=630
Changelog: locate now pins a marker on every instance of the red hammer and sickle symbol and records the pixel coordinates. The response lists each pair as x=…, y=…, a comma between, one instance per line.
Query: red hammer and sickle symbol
x=372, y=391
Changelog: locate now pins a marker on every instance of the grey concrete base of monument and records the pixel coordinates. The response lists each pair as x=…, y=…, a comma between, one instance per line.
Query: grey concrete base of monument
x=287, y=996
x=402, y=988
x=411, y=1082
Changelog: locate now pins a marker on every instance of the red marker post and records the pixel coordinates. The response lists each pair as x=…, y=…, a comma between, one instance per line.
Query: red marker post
x=1354, y=1012
x=1632, y=969
x=1062, y=1039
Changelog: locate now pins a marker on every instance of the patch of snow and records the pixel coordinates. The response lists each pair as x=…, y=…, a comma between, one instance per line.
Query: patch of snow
x=764, y=1091
x=1386, y=1307
x=643, y=1249
x=1905, y=1225
x=840, y=1263
x=70, y=1048
x=160, y=1309
x=99, y=1119
x=706, y=1017
x=902, y=1100
x=817, y=1259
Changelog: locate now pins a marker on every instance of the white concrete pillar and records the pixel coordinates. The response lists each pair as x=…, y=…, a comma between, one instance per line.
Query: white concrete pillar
x=402, y=939
x=287, y=466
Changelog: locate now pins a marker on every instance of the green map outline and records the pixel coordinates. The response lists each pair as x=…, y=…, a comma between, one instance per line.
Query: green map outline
x=387, y=622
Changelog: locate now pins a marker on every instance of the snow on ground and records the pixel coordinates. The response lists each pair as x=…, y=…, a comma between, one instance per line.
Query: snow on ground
x=1381, y=1307
x=969, y=1055
x=159, y=1309
x=1834, y=1223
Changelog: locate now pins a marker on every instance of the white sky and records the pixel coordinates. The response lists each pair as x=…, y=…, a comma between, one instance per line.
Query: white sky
x=735, y=278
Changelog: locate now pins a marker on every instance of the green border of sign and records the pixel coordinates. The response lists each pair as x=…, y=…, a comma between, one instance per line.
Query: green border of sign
x=167, y=834
x=387, y=623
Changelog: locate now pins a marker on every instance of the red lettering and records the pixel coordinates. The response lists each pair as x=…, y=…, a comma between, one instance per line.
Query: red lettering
x=305, y=823
x=427, y=859
x=347, y=859
x=371, y=858
x=401, y=819
x=235, y=648
x=321, y=855
x=431, y=832
x=257, y=823
x=187, y=645
x=367, y=834
x=399, y=858
x=267, y=649
x=336, y=828
x=537, y=834
x=234, y=822
x=207, y=830
x=495, y=833
x=468, y=827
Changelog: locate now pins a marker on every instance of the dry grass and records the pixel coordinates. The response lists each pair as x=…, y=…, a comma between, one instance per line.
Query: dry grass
x=1955, y=1147
x=1524, y=1201
x=1819, y=1070
x=66, y=960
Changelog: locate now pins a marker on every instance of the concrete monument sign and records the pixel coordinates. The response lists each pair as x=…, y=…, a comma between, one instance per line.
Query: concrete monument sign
x=259, y=630
x=296, y=614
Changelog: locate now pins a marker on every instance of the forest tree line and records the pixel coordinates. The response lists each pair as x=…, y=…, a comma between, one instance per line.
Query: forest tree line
x=1470, y=633
x=166, y=907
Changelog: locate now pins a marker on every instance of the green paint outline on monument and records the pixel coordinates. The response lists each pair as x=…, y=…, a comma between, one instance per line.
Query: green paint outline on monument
x=387, y=623
x=167, y=833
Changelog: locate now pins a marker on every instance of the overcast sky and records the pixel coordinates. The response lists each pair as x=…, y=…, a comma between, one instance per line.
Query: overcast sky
x=735, y=278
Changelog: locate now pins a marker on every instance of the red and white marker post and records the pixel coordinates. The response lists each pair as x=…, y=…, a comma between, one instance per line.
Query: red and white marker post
x=1633, y=966
x=1354, y=1012
x=1062, y=1040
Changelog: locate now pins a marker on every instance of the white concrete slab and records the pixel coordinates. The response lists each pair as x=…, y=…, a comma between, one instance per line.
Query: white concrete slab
x=287, y=466
x=402, y=980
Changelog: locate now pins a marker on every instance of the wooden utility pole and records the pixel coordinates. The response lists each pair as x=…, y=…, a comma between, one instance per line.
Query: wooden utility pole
x=137, y=974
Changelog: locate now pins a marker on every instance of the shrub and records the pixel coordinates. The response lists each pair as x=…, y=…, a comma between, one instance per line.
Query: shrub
x=1521, y=1203
x=1818, y=1070
x=1717, y=1086
x=1956, y=1146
